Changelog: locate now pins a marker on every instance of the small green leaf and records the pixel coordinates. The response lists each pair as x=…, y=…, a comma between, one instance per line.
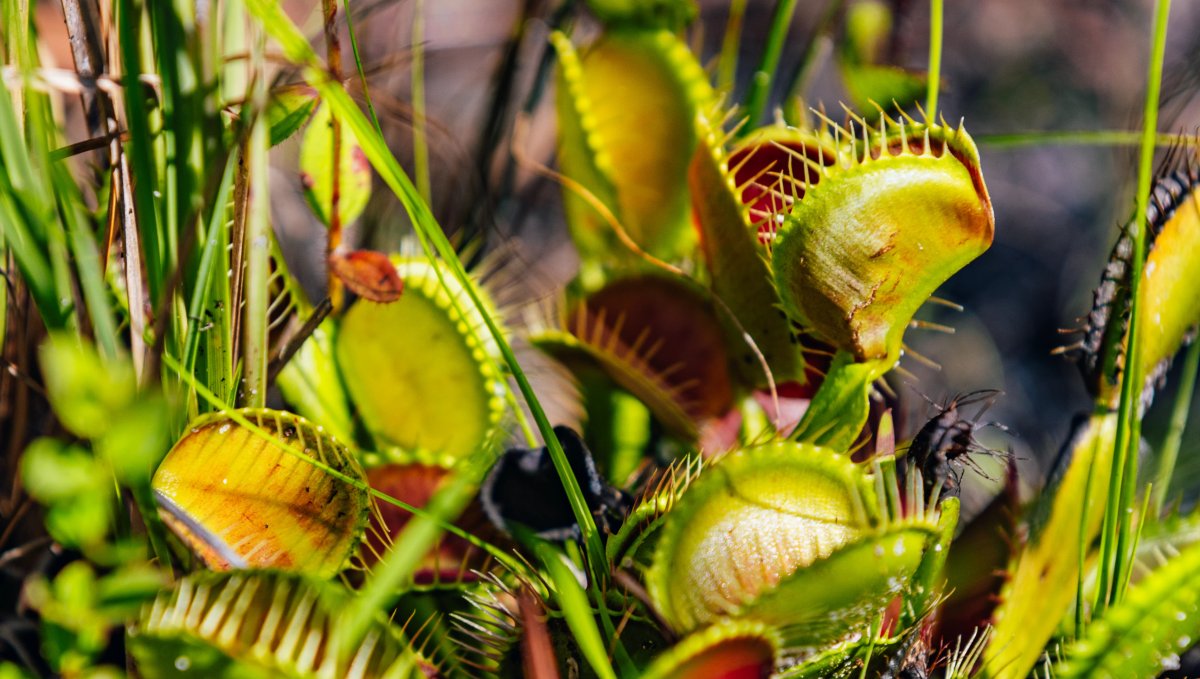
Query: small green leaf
x=121, y=594
x=316, y=170
x=647, y=13
x=85, y=390
x=72, y=632
x=840, y=407
x=54, y=471
x=869, y=85
x=137, y=440
x=74, y=488
x=868, y=25
x=81, y=521
x=289, y=108
x=11, y=671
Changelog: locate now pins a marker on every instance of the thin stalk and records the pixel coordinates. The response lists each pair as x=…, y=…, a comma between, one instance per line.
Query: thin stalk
x=1179, y=418
x=333, y=50
x=1085, y=541
x=760, y=84
x=358, y=66
x=808, y=61
x=257, y=243
x=215, y=239
x=139, y=148
x=935, y=59
x=1122, y=486
x=730, y=44
x=577, y=611
x=143, y=498
x=87, y=263
x=1083, y=138
x=418, y=535
x=420, y=122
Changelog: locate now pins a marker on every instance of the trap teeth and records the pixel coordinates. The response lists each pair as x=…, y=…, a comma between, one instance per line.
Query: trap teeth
x=787, y=534
x=863, y=249
x=731, y=648
x=452, y=560
x=241, y=498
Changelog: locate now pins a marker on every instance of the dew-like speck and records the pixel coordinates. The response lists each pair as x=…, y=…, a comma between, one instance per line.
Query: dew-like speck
x=1170, y=662
x=224, y=428
x=937, y=548
x=1184, y=641
x=1181, y=616
x=183, y=663
x=878, y=550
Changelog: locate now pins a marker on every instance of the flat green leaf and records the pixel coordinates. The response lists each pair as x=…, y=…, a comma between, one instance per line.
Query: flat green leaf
x=839, y=410
x=316, y=170
x=52, y=471
x=288, y=109
x=137, y=440
x=1042, y=582
x=87, y=391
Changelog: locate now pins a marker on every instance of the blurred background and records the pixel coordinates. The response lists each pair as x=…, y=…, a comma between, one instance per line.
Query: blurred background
x=1009, y=66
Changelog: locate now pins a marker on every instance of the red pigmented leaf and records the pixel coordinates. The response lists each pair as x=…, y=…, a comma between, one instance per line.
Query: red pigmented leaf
x=368, y=274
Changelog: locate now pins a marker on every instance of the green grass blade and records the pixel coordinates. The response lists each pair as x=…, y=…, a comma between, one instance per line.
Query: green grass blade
x=358, y=66
x=1116, y=553
x=87, y=262
x=730, y=44
x=257, y=245
x=140, y=147
x=760, y=85
x=935, y=58
x=1082, y=138
x=420, y=121
x=216, y=236
x=576, y=609
x=1179, y=416
x=1133, y=639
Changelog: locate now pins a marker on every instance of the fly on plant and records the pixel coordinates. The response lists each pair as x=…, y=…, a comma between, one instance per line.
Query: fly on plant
x=945, y=443
x=523, y=488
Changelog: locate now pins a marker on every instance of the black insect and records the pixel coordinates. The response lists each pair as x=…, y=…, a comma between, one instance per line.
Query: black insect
x=1100, y=351
x=911, y=658
x=523, y=488
x=943, y=445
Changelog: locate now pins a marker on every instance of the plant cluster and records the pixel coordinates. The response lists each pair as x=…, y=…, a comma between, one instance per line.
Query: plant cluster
x=684, y=463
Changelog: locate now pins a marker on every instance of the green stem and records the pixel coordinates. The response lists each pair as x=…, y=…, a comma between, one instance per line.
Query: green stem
x=760, y=85
x=576, y=609
x=935, y=59
x=730, y=44
x=358, y=66
x=420, y=123
x=1082, y=138
x=1179, y=417
x=257, y=243
x=143, y=497
x=1122, y=486
x=808, y=62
